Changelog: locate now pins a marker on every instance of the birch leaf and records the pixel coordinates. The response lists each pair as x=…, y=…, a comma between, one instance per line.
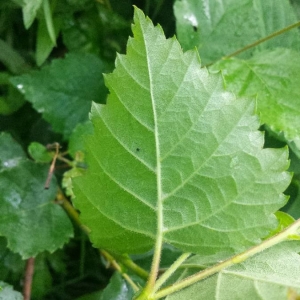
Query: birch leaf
x=174, y=156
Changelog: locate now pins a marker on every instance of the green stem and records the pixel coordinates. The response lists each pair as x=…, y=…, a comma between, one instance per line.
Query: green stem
x=286, y=234
x=166, y=275
x=127, y=262
x=72, y=212
x=117, y=267
x=148, y=290
x=256, y=43
x=67, y=161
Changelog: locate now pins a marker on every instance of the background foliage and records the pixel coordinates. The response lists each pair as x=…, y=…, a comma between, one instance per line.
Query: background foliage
x=52, y=57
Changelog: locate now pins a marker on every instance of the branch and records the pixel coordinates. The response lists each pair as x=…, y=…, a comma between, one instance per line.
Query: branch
x=28, y=278
x=52, y=167
x=256, y=43
x=290, y=233
x=117, y=267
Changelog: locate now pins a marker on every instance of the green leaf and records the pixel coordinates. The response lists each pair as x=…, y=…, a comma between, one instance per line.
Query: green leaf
x=117, y=289
x=7, y=292
x=42, y=279
x=11, y=152
x=12, y=59
x=91, y=296
x=98, y=30
x=269, y=275
x=30, y=9
x=44, y=44
x=67, y=179
x=218, y=28
x=11, y=264
x=274, y=77
x=39, y=152
x=76, y=141
x=284, y=220
x=11, y=102
x=30, y=219
x=49, y=21
x=63, y=91
x=174, y=156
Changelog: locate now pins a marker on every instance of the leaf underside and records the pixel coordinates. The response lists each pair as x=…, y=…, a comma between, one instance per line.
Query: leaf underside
x=176, y=156
x=273, y=274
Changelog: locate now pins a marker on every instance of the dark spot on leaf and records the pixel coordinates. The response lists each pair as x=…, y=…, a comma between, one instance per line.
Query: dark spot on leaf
x=195, y=28
x=137, y=149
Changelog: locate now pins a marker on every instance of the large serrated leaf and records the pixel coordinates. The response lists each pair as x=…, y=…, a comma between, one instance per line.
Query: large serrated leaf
x=273, y=274
x=218, y=28
x=63, y=92
x=274, y=76
x=174, y=156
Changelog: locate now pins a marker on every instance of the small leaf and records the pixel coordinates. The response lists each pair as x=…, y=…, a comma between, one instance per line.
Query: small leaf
x=76, y=140
x=30, y=9
x=11, y=264
x=218, y=28
x=49, y=21
x=63, y=92
x=12, y=102
x=39, y=152
x=7, y=292
x=274, y=77
x=117, y=289
x=174, y=156
x=67, y=179
x=44, y=44
x=284, y=219
x=271, y=274
x=42, y=278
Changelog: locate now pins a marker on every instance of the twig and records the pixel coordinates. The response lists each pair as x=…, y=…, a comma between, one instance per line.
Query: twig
x=117, y=267
x=28, y=278
x=289, y=233
x=256, y=43
x=51, y=169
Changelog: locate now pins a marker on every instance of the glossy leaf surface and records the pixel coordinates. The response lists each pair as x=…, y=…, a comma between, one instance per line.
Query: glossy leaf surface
x=11, y=151
x=30, y=220
x=117, y=289
x=63, y=92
